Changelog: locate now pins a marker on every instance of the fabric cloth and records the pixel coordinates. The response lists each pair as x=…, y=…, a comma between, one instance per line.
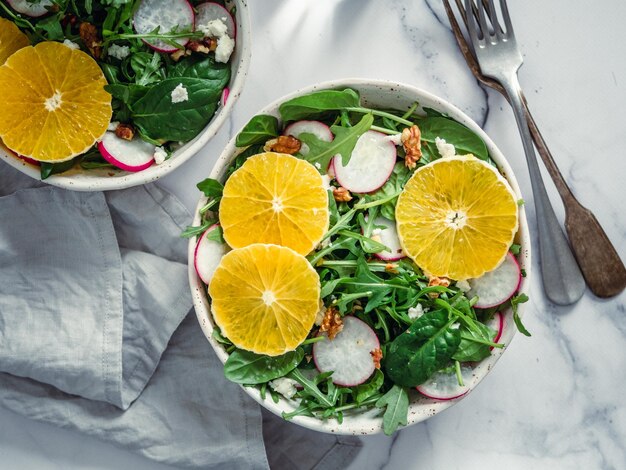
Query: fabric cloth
x=96, y=335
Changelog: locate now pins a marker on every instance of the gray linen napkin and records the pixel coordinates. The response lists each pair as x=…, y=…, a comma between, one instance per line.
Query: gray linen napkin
x=92, y=289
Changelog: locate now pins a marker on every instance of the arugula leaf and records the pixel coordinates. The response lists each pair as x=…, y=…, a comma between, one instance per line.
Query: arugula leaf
x=390, y=191
x=515, y=301
x=258, y=130
x=463, y=139
x=396, y=404
x=216, y=234
x=245, y=367
x=312, y=105
x=426, y=347
x=158, y=118
x=211, y=187
x=370, y=388
x=322, y=152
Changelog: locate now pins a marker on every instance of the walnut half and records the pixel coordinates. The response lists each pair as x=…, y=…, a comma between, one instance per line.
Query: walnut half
x=412, y=143
x=283, y=144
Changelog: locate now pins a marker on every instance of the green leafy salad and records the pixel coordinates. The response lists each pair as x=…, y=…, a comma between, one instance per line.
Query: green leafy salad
x=388, y=331
x=166, y=64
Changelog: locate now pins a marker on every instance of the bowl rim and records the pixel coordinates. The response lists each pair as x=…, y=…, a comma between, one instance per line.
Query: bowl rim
x=129, y=179
x=361, y=423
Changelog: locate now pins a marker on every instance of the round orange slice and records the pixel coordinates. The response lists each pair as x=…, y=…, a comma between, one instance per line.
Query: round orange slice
x=11, y=39
x=265, y=298
x=275, y=198
x=457, y=217
x=54, y=106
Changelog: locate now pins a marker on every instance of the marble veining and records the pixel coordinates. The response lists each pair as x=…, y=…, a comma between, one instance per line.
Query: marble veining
x=554, y=400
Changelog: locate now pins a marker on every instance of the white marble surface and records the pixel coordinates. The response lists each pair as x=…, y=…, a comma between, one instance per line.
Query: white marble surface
x=554, y=400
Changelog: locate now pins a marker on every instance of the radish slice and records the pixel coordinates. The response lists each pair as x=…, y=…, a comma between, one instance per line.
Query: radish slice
x=210, y=11
x=167, y=15
x=370, y=165
x=445, y=385
x=208, y=255
x=497, y=324
x=29, y=160
x=30, y=8
x=388, y=236
x=225, y=93
x=318, y=129
x=497, y=286
x=130, y=155
x=348, y=354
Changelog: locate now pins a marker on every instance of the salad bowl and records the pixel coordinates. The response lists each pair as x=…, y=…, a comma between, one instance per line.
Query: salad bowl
x=384, y=95
x=103, y=179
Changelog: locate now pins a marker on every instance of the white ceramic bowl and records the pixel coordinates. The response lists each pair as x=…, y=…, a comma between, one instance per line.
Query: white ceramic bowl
x=376, y=94
x=105, y=179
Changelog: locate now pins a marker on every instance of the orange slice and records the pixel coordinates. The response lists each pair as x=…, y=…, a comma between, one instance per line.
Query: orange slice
x=54, y=106
x=265, y=298
x=275, y=198
x=11, y=39
x=457, y=217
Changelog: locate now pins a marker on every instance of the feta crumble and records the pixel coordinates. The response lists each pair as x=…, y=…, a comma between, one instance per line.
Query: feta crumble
x=213, y=29
x=377, y=232
x=160, y=154
x=118, y=52
x=179, y=94
x=286, y=387
x=318, y=166
x=113, y=126
x=326, y=182
x=444, y=148
x=225, y=47
x=71, y=44
x=416, y=312
x=396, y=139
x=463, y=286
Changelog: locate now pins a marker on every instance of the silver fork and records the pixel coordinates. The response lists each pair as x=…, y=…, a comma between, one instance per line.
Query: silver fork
x=499, y=58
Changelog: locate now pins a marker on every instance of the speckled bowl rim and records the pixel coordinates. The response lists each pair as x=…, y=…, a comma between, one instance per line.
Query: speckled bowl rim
x=421, y=408
x=99, y=180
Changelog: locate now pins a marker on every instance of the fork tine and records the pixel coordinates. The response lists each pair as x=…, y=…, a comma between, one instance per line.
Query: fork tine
x=482, y=18
x=507, y=19
x=497, y=29
x=472, y=25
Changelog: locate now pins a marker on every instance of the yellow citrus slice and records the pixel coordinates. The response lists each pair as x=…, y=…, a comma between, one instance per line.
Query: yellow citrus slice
x=53, y=104
x=265, y=298
x=275, y=198
x=457, y=217
x=11, y=39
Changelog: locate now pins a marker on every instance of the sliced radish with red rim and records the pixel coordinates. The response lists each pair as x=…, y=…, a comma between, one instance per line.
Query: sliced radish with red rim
x=444, y=385
x=130, y=155
x=385, y=232
x=208, y=255
x=497, y=286
x=318, y=129
x=497, y=324
x=29, y=160
x=168, y=16
x=225, y=94
x=30, y=8
x=210, y=11
x=371, y=163
x=348, y=355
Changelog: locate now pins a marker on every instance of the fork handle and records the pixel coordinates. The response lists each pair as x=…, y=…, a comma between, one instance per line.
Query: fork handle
x=597, y=258
x=562, y=280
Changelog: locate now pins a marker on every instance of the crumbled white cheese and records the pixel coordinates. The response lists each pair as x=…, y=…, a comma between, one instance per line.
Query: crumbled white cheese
x=416, y=312
x=118, y=52
x=213, y=29
x=225, y=47
x=179, y=94
x=318, y=166
x=444, y=148
x=455, y=326
x=286, y=387
x=396, y=139
x=113, y=126
x=377, y=232
x=71, y=44
x=326, y=182
x=463, y=286
x=160, y=154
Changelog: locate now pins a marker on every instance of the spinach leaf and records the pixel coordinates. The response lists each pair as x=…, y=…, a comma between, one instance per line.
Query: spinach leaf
x=211, y=187
x=241, y=158
x=216, y=234
x=370, y=388
x=463, y=139
x=197, y=66
x=345, y=139
x=426, y=347
x=159, y=119
x=258, y=130
x=48, y=169
x=245, y=367
x=127, y=93
x=515, y=301
x=312, y=105
x=471, y=350
x=396, y=404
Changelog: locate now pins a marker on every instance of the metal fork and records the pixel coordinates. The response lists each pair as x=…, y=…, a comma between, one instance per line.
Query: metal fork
x=598, y=260
x=499, y=58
